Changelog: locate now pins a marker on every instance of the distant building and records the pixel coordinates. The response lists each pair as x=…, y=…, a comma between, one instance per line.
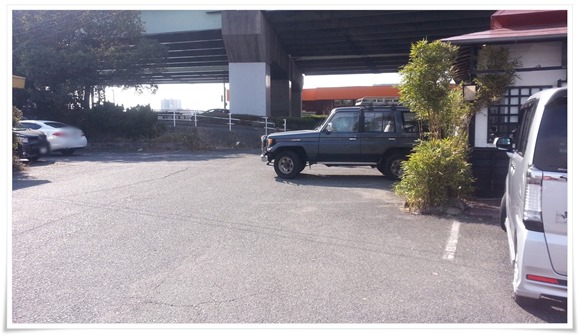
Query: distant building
x=323, y=100
x=170, y=104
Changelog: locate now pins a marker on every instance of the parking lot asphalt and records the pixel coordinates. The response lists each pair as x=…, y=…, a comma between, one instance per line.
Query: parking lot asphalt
x=214, y=237
x=475, y=206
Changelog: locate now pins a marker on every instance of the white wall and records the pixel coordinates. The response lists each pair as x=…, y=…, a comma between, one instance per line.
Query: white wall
x=250, y=88
x=532, y=55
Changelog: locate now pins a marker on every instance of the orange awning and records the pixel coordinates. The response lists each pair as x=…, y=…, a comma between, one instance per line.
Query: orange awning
x=352, y=92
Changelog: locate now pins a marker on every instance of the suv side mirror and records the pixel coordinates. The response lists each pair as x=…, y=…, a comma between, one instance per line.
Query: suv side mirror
x=503, y=143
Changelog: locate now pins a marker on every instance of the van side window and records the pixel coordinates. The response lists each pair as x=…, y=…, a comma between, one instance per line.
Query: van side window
x=526, y=116
x=551, y=152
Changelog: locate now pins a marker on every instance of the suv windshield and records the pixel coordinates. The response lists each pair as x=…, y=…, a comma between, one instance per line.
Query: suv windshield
x=551, y=152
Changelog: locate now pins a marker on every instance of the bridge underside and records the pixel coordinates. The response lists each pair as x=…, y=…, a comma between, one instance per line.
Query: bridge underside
x=321, y=42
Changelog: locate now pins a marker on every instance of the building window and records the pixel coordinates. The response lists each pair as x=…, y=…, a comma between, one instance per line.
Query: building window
x=343, y=102
x=502, y=118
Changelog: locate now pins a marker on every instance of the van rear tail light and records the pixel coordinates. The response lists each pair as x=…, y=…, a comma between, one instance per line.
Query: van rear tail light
x=532, y=216
x=59, y=133
x=543, y=279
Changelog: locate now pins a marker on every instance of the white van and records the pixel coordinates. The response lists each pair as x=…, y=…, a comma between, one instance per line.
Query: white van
x=534, y=208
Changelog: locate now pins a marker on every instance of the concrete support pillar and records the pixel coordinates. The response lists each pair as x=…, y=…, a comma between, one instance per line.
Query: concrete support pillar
x=296, y=100
x=250, y=40
x=280, y=97
x=250, y=88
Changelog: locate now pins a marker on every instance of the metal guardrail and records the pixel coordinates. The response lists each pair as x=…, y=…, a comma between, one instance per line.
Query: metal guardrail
x=196, y=118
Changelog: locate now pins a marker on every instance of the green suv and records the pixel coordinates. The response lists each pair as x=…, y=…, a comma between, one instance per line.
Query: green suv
x=377, y=136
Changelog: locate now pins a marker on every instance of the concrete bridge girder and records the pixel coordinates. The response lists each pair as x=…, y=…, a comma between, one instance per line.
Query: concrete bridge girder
x=259, y=67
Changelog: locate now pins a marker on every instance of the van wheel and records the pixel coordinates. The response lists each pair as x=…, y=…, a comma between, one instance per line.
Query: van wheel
x=502, y=214
x=288, y=164
x=392, y=167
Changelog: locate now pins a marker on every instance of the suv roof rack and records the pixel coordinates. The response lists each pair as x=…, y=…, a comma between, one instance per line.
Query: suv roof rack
x=377, y=101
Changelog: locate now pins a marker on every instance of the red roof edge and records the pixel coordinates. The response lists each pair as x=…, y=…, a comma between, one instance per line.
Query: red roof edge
x=521, y=18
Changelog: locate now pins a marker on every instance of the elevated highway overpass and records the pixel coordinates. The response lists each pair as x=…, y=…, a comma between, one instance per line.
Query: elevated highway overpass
x=263, y=55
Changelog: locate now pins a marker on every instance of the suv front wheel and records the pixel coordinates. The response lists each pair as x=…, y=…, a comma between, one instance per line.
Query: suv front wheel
x=288, y=164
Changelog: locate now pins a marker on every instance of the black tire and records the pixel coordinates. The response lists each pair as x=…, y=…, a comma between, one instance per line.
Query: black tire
x=380, y=168
x=391, y=166
x=288, y=164
x=67, y=151
x=502, y=214
x=524, y=301
x=302, y=167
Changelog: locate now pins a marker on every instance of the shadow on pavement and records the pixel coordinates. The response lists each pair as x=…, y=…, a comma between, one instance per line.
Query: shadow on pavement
x=549, y=310
x=340, y=181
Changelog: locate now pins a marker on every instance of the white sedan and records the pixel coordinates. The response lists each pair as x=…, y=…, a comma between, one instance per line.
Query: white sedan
x=61, y=137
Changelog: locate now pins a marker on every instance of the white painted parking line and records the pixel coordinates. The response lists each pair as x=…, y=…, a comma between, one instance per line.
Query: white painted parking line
x=451, y=246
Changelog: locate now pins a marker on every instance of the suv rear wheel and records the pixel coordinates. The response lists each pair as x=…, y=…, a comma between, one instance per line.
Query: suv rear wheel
x=288, y=164
x=391, y=166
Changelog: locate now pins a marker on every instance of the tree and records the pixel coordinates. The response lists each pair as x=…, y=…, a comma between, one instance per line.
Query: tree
x=68, y=55
x=437, y=170
x=496, y=72
x=426, y=84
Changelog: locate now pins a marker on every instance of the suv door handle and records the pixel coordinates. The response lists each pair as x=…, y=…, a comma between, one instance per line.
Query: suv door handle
x=352, y=139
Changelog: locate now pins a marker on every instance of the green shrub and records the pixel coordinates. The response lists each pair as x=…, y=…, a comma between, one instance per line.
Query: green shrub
x=437, y=171
x=16, y=164
x=111, y=121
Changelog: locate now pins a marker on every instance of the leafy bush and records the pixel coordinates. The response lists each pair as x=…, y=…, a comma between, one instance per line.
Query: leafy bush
x=436, y=172
x=426, y=83
x=111, y=121
x=16, y=164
